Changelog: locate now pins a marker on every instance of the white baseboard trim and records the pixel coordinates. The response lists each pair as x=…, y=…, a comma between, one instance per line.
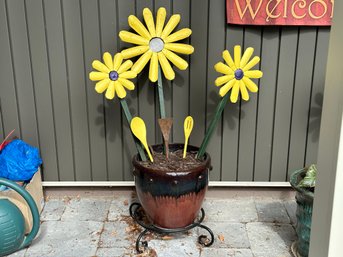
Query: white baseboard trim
x=131, y=184
x=248, y=184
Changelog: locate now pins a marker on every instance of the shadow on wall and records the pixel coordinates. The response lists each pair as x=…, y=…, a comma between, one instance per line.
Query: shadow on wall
x=232, y=113
x=141, y=82
x=180, y=80
x=107, y=121
x=315, y=117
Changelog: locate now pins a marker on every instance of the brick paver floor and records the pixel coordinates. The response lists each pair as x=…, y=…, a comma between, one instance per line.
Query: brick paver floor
x=101, y=226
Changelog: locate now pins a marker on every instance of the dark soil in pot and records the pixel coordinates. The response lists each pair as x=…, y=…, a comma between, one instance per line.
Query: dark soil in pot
x=175, y=162
x=172, y=191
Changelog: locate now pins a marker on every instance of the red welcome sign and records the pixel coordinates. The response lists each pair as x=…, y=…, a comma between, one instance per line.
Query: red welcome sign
x=280, y=12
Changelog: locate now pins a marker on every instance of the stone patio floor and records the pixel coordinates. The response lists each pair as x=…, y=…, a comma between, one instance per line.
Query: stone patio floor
x=89, y=226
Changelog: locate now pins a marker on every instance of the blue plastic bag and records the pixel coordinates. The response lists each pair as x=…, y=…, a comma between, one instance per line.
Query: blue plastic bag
x=19, y=161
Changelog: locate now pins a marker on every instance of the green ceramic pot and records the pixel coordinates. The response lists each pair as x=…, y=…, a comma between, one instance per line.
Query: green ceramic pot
x=304, y=199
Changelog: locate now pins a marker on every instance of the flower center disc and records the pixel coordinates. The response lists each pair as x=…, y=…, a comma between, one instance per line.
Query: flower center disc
x=239, y=74
x=156, y=44
x=113, y=75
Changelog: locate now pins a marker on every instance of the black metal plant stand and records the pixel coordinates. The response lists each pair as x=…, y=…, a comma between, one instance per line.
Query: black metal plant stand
x=138, y=214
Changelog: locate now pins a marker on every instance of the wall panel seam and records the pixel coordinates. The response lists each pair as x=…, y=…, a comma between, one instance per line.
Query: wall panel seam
x=137, y=84
x=103, y=99
x=239, y=119
x=171, y=7
x=292, y=105
x=222, y=123
x=257, y=108
x=68, y=87
x=13, y=70
x=311, y=91
x=275, y=101
x=189, y=59
x=32, y=75
x=51, y=91
x=86, y=92
x=121, y=111
x=206, y=78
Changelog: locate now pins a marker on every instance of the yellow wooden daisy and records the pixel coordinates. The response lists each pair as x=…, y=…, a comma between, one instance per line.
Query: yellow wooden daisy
x=113, y=75
x=156, y=44
x=237, y=74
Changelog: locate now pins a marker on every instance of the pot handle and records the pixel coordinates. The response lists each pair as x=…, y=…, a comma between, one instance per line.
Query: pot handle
x=33, y=207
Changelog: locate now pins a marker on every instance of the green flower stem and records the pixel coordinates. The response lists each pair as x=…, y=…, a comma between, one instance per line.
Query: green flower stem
x=214, y=121
x=129, y=118
x=160, y=94
x=161, y=99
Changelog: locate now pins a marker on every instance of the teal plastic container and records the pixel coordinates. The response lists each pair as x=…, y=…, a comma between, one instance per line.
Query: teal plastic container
x=304, y=199
x=12, y=223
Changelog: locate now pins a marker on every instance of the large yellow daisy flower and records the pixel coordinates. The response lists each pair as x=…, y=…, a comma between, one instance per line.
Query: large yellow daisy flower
x=156, y=43
x=112, y=75
x=237, y=74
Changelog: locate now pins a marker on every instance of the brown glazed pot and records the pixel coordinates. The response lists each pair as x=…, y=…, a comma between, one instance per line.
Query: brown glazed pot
x=171, y=199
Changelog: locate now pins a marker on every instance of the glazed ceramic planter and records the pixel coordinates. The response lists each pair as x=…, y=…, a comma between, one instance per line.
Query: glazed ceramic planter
x=171, y=199
x=304, y=199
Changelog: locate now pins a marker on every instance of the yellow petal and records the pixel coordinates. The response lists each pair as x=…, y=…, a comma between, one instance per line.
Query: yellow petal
x=253, y=74
x=228, y=59
x=149, y=21
x=244, y=91
x=120, y=91
x=237, y=55
x=102, y=85
x=153, y=70
x=179, y=35
x=94, y=75
x=223, y=79
x=141, y=62
x=252, y=63
x=133, y=38
x=125, y=66
x=172, y=23
x=127, y=83
x=250, y=84
x=234, y=92
x=224, y=89
x=175, y=59
x=128, y=75
x=179, y=48
x=100, y=66
x=107, y=57
x=246, y=56
x=110, y=93
x=117, y=60
x=222, y=68
x=134, y=51
x=136, y=24
x=161, y=17
x=166, y=68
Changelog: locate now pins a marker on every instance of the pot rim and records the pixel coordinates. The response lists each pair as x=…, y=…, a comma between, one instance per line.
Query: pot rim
x=204, y=164
x=294, y=180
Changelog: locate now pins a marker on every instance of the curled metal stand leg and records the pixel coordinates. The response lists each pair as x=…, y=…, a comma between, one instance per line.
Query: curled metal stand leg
x=137, y=213
x=203, y=239
x=144, y=243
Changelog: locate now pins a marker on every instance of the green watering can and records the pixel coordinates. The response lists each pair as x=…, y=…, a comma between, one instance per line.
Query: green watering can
x=12, y=223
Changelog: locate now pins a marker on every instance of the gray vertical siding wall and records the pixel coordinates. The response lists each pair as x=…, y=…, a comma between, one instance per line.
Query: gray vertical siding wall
x=46, y=50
